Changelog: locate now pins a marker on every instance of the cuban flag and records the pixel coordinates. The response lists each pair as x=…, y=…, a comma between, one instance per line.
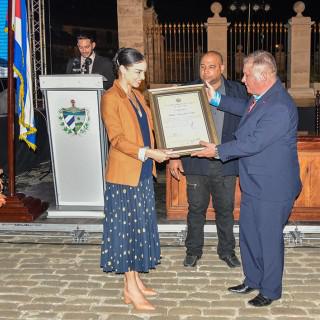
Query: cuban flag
x=22, y=69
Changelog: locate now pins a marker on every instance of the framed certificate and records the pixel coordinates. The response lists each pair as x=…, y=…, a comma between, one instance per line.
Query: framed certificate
x=182, y=117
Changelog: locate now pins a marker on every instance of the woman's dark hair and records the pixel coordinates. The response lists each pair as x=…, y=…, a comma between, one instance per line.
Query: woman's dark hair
x=126, y=57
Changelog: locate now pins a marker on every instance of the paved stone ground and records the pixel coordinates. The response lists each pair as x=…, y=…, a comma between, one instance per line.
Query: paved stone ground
x=48, y=277
x=44, y=275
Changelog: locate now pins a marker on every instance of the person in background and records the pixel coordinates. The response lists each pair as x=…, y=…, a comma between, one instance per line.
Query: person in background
x=207, y=177
x=130, y=236
x=266, y=145
x=90, y=62
x=2, y=196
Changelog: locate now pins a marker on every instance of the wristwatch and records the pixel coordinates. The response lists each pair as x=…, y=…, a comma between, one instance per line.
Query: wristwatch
x=216, y=152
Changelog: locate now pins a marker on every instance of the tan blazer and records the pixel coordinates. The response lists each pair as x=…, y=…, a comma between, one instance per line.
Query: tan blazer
x=120, y=120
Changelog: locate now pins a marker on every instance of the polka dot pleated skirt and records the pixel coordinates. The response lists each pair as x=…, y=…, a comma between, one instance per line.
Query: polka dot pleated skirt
x=130, y=233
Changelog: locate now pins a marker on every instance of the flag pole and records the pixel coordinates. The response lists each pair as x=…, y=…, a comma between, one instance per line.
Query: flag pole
x=18, y=207
x=11, y=107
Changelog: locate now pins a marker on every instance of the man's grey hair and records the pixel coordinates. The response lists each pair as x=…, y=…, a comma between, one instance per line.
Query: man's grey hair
x=261, y=59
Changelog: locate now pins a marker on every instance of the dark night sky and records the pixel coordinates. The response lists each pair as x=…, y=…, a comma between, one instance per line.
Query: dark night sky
x=103, y=13
x=199, y=10
x=93, y=13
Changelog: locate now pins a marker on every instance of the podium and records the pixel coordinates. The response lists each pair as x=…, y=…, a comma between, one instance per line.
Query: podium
x=78, y=143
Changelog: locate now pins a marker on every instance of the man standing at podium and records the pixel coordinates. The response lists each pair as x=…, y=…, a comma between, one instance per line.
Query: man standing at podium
x=90, y=62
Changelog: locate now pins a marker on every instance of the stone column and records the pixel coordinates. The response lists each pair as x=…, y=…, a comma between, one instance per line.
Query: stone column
x=153, y=43
x=299, y=46
x=130, y=24
x=218, y=33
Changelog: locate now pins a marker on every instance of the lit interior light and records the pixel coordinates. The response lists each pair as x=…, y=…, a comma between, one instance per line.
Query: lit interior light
x=233, y=7
x=267, y=7
x=255, y=7
x=243, y=7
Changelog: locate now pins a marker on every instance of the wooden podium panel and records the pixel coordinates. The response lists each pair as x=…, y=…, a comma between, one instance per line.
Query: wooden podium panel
x=306, y=207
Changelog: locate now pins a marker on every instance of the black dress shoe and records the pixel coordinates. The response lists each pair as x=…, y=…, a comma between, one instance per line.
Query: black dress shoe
x=232, y=261
x=241, y=288
x=190, y=261
x=260, y=301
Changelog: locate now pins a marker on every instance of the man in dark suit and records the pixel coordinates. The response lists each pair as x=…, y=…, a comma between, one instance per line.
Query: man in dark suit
x=207, y=177
x=266, y=145
x=90, y=61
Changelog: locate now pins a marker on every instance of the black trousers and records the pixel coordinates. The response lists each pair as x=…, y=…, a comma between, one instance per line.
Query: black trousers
x=222, y=190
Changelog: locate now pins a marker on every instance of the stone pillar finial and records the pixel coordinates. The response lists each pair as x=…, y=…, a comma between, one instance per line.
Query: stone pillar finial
x=298, y=8
x=299, y=53
x=217, y=33
x=216, y=8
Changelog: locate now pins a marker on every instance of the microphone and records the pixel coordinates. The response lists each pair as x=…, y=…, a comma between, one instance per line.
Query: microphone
x=86, y=65
x=76, y=68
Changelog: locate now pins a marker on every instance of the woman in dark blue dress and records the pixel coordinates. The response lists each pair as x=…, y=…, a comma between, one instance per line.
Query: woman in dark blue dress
x=130, y=237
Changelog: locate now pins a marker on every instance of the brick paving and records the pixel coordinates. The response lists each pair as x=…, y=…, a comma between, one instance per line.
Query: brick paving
x=49, y=277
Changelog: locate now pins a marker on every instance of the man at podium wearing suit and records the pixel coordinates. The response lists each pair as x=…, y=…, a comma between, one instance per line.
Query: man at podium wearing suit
x=266, y=145
x=90, y=62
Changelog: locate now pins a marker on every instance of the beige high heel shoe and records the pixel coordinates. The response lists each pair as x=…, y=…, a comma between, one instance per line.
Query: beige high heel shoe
x=149, y=292
x=145, y=290
x=139, y=304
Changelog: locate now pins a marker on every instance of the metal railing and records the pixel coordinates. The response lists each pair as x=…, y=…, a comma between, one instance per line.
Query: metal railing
x=315, y=52
x=243, y=39
x=173, y=50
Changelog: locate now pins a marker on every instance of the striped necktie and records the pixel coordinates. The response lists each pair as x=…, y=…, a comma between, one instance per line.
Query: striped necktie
x=252, y=105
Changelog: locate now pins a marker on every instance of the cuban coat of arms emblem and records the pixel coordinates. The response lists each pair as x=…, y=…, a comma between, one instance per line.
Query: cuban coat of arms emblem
x=74, y=120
